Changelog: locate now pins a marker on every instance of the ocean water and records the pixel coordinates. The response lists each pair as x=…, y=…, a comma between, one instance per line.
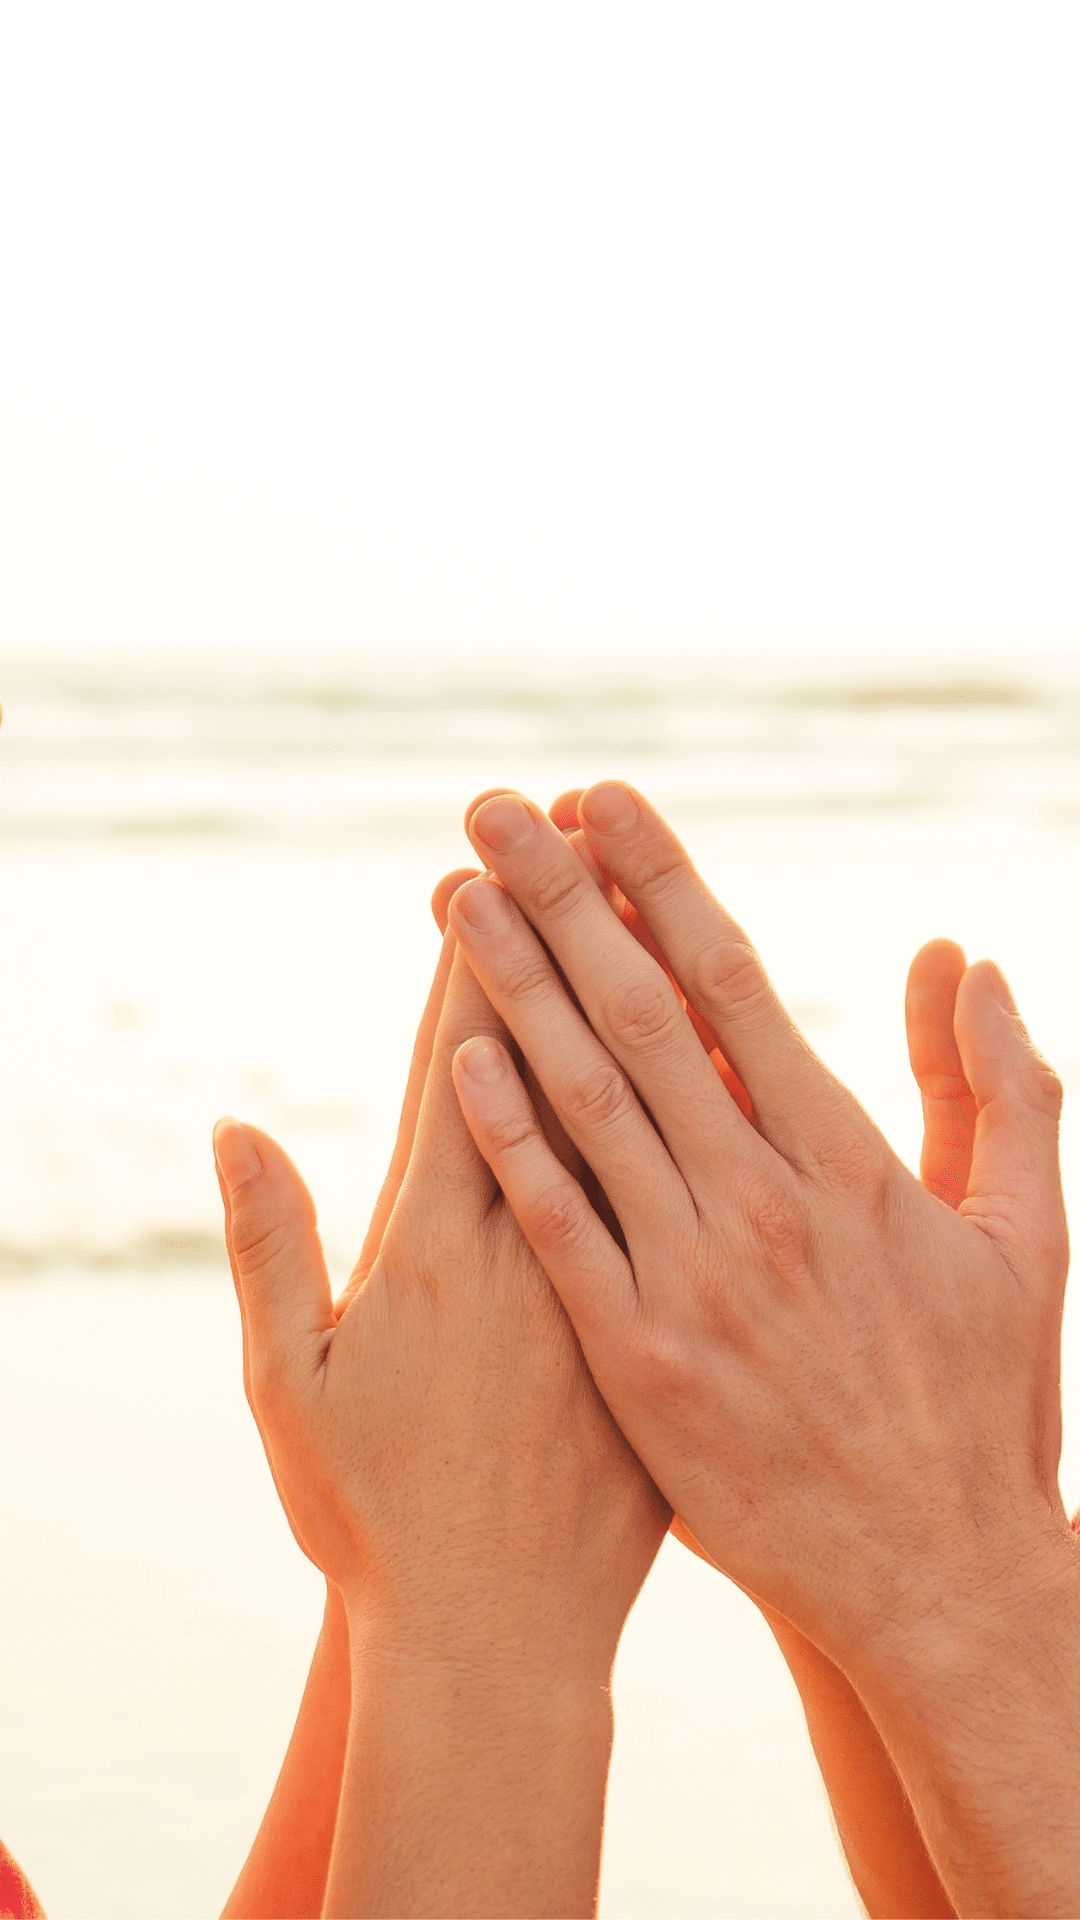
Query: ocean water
x=214, y=888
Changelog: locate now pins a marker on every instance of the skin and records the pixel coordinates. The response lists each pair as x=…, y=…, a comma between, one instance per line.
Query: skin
x=18, y=1901
x=444, y=1457
x=287, y=1869
x=284, y=1876
x=846, y=1388
x=885, y=1851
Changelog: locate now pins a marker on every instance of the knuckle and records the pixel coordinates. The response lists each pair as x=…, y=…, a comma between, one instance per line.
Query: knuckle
x=667, y=868
x=861, y=1164
x=730, y=972
x=779, y=1228
x=557, y=891
x=509, y=1132
x=525, y=976
x=644, y=1015
x=555, y=1224
x=660, y=1364
x=258, y=1245
x=599, y=1095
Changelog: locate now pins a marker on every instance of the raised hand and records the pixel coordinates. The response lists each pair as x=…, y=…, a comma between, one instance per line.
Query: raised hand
x=445, y=1458
x=847, y=1389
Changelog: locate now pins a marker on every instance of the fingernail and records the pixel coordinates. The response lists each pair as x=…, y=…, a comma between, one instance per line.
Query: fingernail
x=484, y=905
x=481, y=1059
x=236, y=1154
x=610, y=808
x=502, y=824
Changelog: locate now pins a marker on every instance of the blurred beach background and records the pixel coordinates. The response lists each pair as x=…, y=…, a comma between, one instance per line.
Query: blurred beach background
x=397, y=401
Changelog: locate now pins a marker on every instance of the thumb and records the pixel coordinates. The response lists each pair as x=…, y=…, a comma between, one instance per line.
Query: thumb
x=1014, y=1190
x=276, y=1258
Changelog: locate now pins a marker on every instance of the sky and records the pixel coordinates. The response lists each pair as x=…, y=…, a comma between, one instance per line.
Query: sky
x=598, y=331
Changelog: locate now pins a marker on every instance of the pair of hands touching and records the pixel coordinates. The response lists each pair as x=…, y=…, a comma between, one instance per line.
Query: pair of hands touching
x=675, y=1268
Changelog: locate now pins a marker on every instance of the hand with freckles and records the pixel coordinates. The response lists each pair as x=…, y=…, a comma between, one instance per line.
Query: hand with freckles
x=845, y=1386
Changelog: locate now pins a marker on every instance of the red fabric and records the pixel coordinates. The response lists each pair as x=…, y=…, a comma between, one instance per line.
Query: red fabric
x=18, y=1901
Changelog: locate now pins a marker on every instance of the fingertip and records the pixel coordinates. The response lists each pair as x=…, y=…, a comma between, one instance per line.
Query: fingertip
x=995, y=1045
x=445, y=890
x=939, y=965
x=480, y=1060
x=564, y=810
x=988, y=976
x=489, y=793
x=930, y=999
x=483, y=904
x=236, y=1155
x=610, y=807
x=984, y=990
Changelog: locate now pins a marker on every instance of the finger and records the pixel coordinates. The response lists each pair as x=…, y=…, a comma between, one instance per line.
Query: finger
x=590, y=1094
x=947, y=1100
x=489, y=793
x=802, y=1110
x=589, y=1272
x=627, y=998
x=276, y=1258
x=406, y=1133
x=563, y=811
x=555, y=1133
x=1014, y=1191
x=445, y=1170
x=445, y=891
x=634, y=924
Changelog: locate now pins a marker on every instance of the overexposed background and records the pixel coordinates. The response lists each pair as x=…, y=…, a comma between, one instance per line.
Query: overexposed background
x=396, y=400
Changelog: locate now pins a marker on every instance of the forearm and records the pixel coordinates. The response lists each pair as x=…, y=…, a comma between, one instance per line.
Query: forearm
x=979, y=1704
x=886, y=1855
x=284, y=1875
x=472, y=1787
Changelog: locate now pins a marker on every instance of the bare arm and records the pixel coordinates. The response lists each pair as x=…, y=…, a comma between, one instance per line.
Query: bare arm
x=885, y=1851
x=444, y=1456
x=848, y=1389
x=475, y=1782
x=883, y=1846
x=284, y=1875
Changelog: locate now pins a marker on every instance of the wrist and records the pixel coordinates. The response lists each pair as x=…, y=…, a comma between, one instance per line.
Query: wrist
x=478, y=1655
x=519, y=1643
x=977, y=1698
x=996, y=1610
x=475, y=1781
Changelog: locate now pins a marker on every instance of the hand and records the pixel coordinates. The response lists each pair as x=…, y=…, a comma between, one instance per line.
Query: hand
x=445, y=1458
x=287, y=1867
x=846, y=1389
x=885, y=1851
